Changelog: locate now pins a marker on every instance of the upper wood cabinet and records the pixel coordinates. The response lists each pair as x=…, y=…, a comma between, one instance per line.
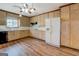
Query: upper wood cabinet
x=65, y=13
x=56, y=13
x=2, y=18
x=12, y=15
x=34, y=19
x=24, y=21
x=51, y=15
x=42, y=18
x=74, y=10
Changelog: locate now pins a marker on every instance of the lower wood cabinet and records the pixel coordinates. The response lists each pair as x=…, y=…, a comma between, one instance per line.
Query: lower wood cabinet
x=24, y=33
x=13, y=35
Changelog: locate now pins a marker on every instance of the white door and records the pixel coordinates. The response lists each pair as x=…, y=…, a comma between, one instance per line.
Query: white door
x=53, y=31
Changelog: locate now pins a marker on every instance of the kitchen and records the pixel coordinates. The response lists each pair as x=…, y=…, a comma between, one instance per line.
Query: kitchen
x=54, y=28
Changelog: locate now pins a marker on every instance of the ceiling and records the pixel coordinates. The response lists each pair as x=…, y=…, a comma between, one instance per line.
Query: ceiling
x=40, y=7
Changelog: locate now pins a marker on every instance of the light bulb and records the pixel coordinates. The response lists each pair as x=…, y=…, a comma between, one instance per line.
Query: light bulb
x=20, y=15
x=26, y=10
x=24, y=5
x=23, y=9
x=32, y=10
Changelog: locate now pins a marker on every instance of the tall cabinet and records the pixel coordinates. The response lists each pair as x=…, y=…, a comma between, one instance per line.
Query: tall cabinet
x=74, y=11
x=70, y=26
x=65, y=26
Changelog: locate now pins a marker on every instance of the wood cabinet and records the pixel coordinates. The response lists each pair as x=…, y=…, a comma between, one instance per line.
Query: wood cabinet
x=12, y=15
x=33, y=19
x=74, y=25
x=41, y=19
x=33, y=33
x=24, y=33
x=65, y=26
x=56, y=13
x=13, y=35
x=37, y=34
x=69, y=26
x=65, y=16
x=17, y=34
x=65, y=34
x=2, y=18
x=74, y=12
x=24, y=21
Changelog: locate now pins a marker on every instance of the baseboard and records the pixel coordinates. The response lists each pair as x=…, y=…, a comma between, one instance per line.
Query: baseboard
x=19, y=38
x=35, y=38
x=69, y=47
x=26, y=37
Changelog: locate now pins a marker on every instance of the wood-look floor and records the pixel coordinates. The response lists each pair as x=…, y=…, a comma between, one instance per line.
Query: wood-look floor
x=35, y=47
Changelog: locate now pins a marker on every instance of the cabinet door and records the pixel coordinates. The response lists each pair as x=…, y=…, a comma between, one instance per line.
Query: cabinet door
x=56, y=13
x=75, y=34
x=75, y=26
x=65, y=13
x=33, y=33
x=65, y=26
x=24, y=21
x=17, y=34
x=41, y=19
x=33, y=19
x=2, y=18
x=11, y=35
x=26, y=33
x=65, y=33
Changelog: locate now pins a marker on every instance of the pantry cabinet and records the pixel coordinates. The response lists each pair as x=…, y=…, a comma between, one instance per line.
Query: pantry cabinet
x=65, y=26
x=69, y=26
x=74, y=10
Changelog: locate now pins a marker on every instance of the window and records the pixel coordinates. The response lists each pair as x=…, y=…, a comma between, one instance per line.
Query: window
x=13, y=22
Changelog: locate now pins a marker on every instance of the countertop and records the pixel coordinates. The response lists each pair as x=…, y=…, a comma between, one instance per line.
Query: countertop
x=4, y=28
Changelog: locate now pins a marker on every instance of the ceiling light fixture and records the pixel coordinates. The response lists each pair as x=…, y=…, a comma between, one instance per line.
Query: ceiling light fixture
x=26, y=8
